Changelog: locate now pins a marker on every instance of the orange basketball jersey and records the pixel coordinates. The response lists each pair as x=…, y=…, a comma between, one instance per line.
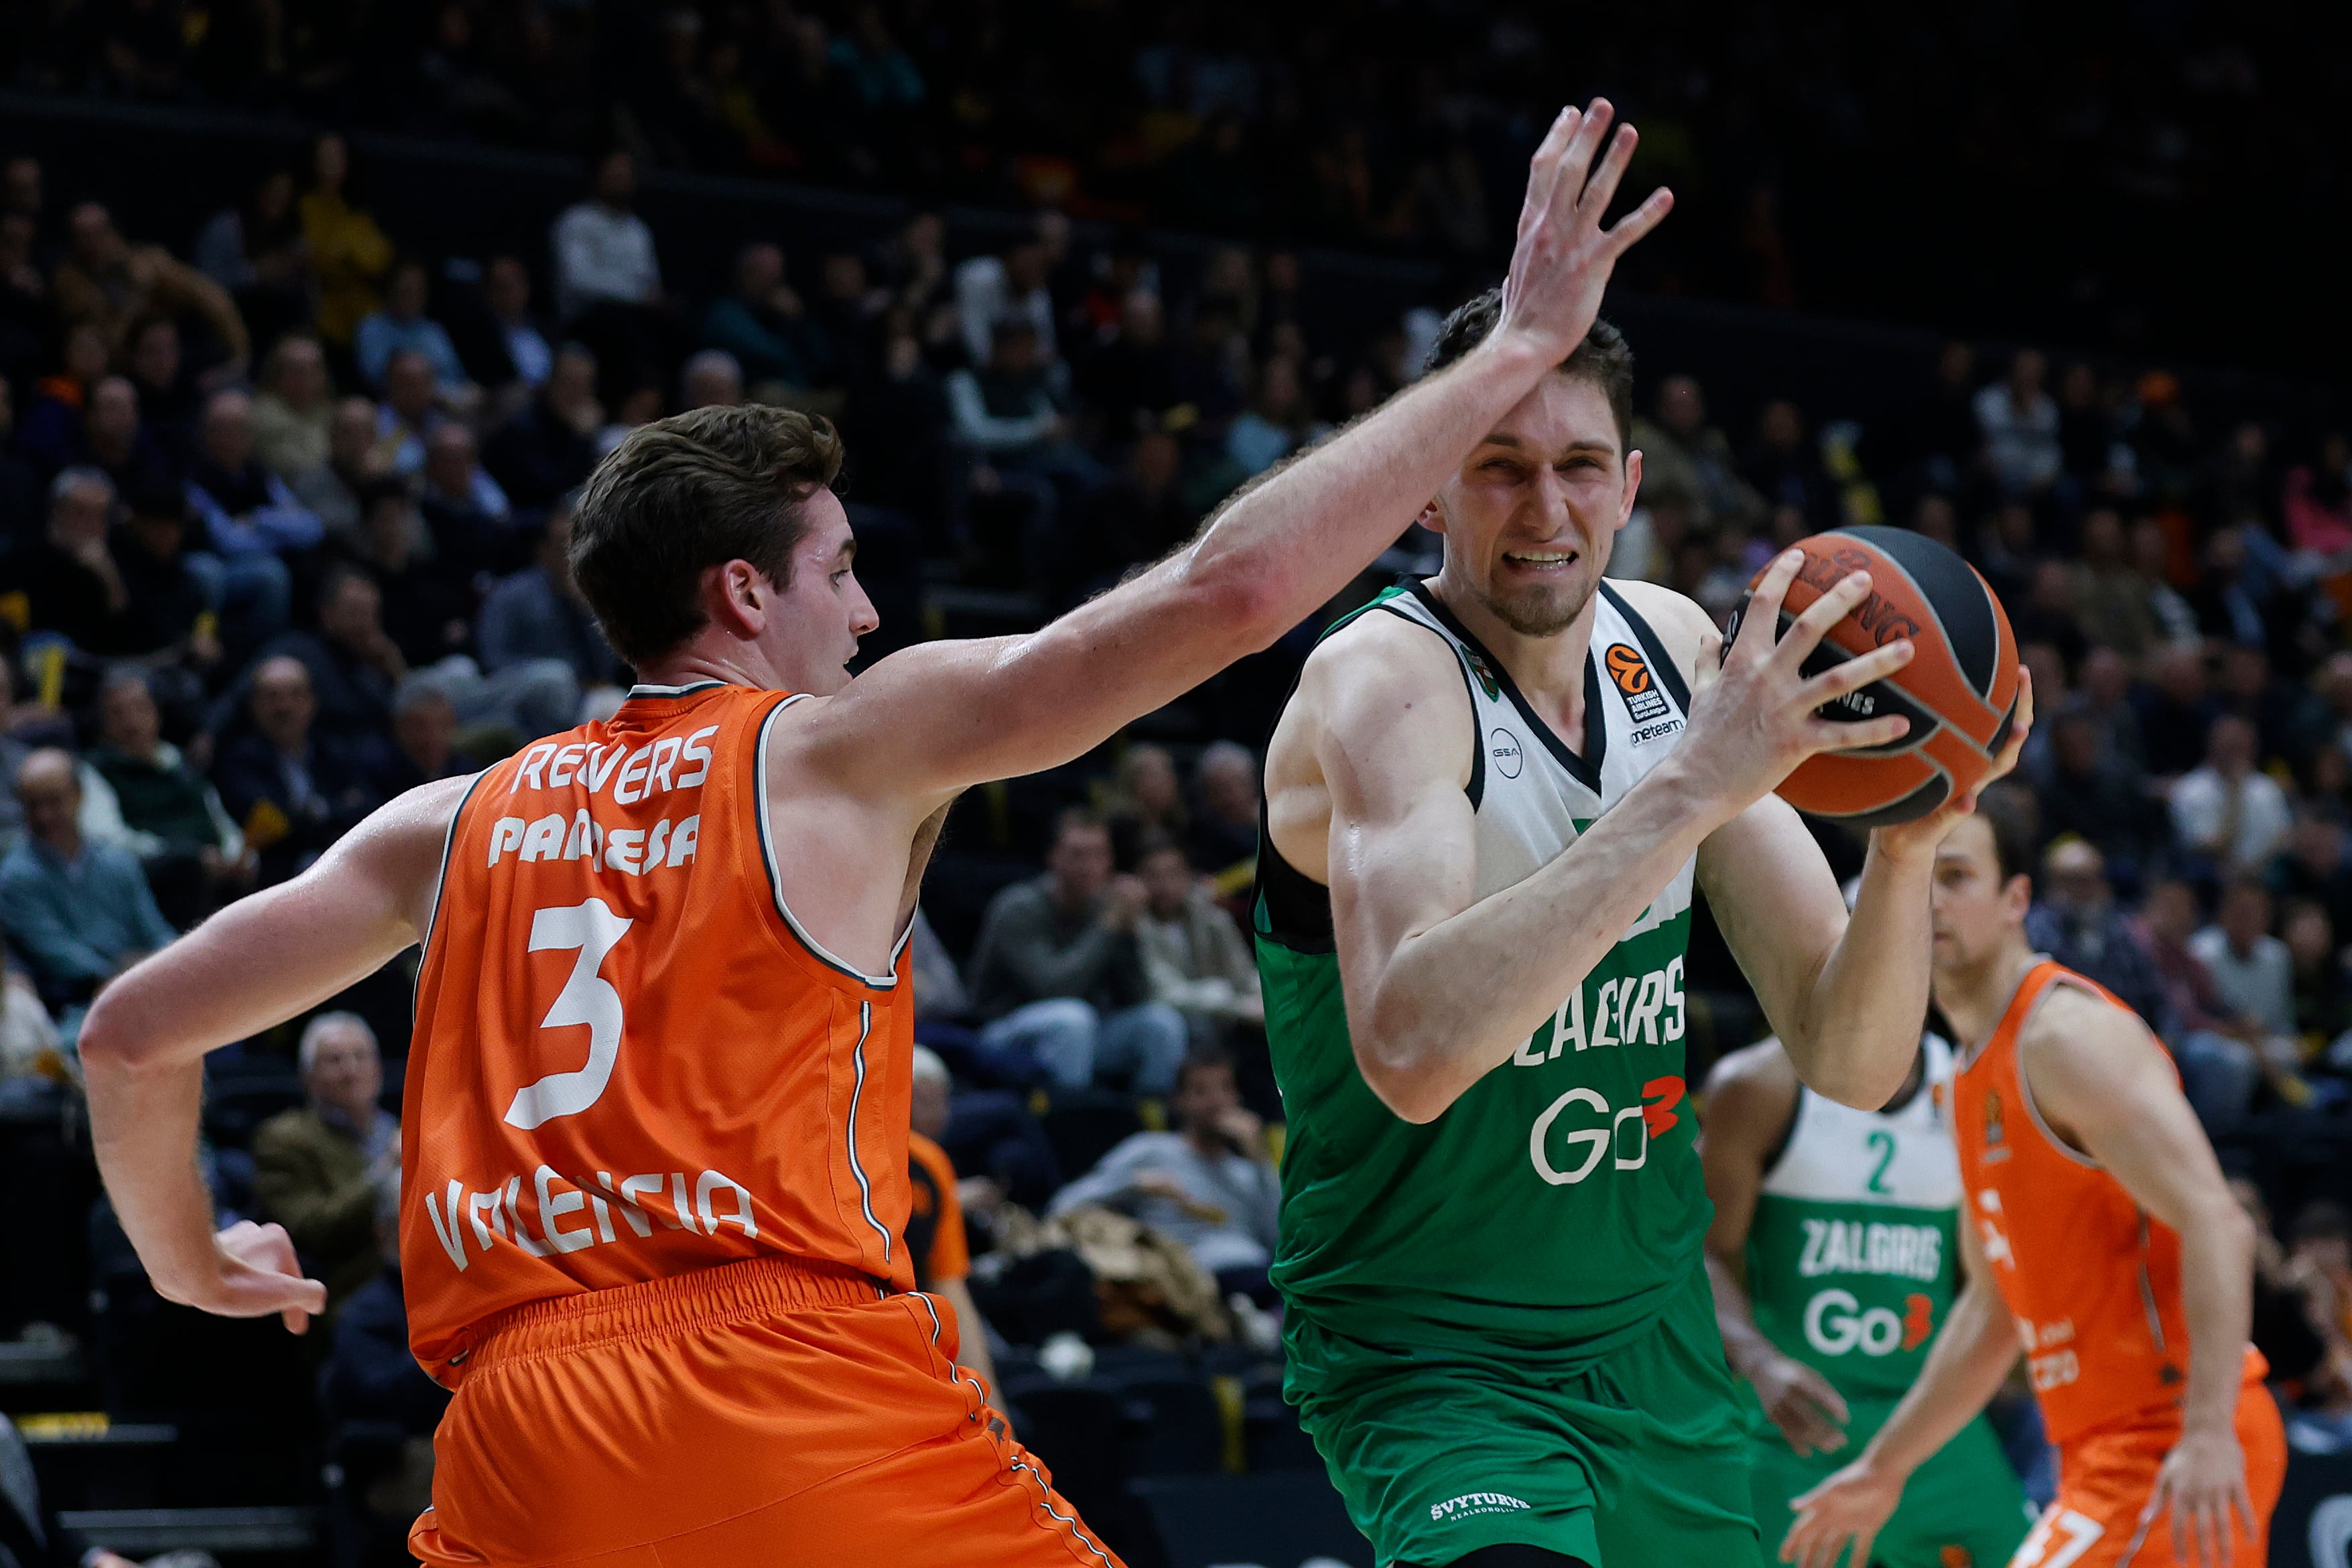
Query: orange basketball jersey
x=629, y=1063
x=2093, y=1280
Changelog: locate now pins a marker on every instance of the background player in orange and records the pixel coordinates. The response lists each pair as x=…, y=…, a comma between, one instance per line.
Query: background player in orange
x=655, y=1139
x=2100, y=1233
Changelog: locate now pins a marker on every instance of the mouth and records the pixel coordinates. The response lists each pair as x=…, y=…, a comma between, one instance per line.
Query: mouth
x=1541, y=562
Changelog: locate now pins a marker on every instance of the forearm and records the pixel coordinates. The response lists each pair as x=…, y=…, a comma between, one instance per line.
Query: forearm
x=1859, y=1026
x=144, y=1126
x=1964, y=1369
x=1456, y=999
x=2217, y=1265
x=1744, y=1344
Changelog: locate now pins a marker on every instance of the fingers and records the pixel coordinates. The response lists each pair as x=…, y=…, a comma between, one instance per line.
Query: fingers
x=1805, y=634
x=1863, y=1539
x=1853, y=674
x=1626, y=230
x=1764, y=606
x=1543, y=169
x=1576, y=160
x=1832, y=735
x=1599, y=189
x=1818, y=1389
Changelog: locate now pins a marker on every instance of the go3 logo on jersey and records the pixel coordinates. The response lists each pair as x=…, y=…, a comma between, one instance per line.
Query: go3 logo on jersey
x=1835, y=1324
x=1598, y=1129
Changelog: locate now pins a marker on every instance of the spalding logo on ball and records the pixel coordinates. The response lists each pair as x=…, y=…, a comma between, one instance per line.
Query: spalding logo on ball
x=1959, y=690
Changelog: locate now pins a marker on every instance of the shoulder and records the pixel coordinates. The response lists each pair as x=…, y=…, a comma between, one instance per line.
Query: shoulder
x=1751, y=1083
x=1682, y=626
x=1381, y=660
x=2084, y=1044
x=287, y=1130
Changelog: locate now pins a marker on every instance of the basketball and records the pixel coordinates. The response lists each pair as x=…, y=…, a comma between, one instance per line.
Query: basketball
x=1959, y=690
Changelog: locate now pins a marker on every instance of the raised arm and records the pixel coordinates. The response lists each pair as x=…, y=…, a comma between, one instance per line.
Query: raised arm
x=256, y=963
x=939, y=716
x=2106, y=1085
x=1751, y=1098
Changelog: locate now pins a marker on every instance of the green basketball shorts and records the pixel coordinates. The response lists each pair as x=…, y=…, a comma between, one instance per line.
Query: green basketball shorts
x=1637, y=1456
x=1962, y=1509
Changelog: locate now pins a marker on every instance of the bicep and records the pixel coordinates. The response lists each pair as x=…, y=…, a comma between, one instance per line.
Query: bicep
x=1775, y=901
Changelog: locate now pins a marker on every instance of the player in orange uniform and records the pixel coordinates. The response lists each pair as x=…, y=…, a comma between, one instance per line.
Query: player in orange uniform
x=2103, y=1238
x=655, y=1144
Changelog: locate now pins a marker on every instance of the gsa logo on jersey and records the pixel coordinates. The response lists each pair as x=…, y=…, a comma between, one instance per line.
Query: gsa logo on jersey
x=1508, y=758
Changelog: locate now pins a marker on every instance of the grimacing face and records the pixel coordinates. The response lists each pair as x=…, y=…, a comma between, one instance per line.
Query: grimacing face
x=1530, y=516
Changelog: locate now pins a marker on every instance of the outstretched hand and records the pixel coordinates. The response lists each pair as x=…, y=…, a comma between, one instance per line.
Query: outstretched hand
x=1562, y=261
x=253, y=1273
x=1753, y=714
x=1923, y=835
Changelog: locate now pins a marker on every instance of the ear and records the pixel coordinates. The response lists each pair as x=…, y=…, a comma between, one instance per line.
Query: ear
x=738, y=597
x=2016, y=895
x=1633, y=485
x=1432, y=516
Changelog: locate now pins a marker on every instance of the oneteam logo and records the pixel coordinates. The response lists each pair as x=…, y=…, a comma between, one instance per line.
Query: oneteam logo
x=1504, y=747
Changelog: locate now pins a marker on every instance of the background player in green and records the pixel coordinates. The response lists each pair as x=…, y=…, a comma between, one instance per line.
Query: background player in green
x=1834, y=1256
x=1486, y=802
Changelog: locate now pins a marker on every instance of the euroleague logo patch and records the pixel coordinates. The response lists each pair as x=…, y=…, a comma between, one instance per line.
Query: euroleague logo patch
x=1644, y=700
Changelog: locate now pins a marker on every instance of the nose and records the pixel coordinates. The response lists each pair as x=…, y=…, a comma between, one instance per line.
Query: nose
x=863, y=618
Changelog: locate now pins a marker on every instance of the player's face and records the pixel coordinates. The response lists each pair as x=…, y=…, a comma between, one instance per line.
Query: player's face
x=1529, y=518
x=1971, y=910
x=824, y=611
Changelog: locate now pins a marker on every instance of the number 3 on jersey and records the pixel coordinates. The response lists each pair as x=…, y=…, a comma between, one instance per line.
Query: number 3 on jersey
x=586, y=998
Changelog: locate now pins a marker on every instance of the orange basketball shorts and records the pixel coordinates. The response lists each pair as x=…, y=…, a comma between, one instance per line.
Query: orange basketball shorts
x=759, y=1415
x=2106, y=1480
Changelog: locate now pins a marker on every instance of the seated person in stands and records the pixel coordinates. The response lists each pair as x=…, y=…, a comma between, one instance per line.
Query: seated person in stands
x=194, y=857
x=292, y=793
x=1223, y=834
x=245, y=508
x=935, y=1236
x=1194, y=954
x=1058, y=974
x=77, y=908
x=1210, y=1185
x=321, y=1169
x=537, y=613
x=425, y=734
x=69, y=579
x=371, y=1377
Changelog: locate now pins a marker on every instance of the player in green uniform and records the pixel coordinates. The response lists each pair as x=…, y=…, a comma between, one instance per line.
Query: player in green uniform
x=1486, y=802
x=1834, y=1256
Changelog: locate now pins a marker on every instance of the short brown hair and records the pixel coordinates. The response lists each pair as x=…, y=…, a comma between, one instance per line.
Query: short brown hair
x=1603, y=358
x=687, y=493
x=2015, y=820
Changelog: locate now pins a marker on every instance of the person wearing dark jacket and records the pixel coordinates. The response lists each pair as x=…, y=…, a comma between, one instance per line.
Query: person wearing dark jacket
x=549, y=445
x=292, y=793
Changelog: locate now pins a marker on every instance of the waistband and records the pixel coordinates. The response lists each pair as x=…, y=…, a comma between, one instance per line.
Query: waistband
x=756, y=1287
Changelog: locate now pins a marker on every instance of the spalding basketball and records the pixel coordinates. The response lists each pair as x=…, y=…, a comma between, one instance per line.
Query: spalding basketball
x=1959, y=690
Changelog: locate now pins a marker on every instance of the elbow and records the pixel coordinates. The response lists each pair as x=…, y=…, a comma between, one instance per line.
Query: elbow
x=1233, y=592
x=1402, y=1075
x=105, y=1043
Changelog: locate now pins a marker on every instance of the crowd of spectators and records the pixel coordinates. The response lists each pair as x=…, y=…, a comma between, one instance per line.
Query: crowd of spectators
x=283, y=529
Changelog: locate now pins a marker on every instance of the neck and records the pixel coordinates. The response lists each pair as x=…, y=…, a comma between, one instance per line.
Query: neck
x=1550, y=670
x=1973, y=997
x=711, y=655
x=65, y=845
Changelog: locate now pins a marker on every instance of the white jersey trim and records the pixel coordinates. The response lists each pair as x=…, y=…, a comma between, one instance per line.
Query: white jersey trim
x=776, y=872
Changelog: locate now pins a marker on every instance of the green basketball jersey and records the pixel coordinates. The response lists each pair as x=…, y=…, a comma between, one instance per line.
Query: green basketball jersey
x=1851, y=1259
x=1554, y=1207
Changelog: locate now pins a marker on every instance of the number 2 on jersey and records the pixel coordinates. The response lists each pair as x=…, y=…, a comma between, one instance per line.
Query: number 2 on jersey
x=1883, y=1144
x=586, y=998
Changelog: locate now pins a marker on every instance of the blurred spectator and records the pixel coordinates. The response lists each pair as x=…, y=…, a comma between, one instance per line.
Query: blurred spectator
x=1058, y=976
x=410, y=413
x=2224, y=810
x=1194, y=954
x=2087, y=796
x=549, y=445
x=467, y=515
x=355, y=460
x=762, y=322
x=2111, y=603
x=53, y=423
x=2151, y=552
x=505, y=291
x=2105, y=703
x=1224, y=834
x=401, y=324
x=2174, y=712
x=349, y=254
x=1277, y=422
x=2077, y=922
x=69, y=579
x=2220, y=1064
x=1786, y=468
x=603, y=251
x=255, y=252
x=2317, y=865
x=246, y=509
x=991, y=290
x=372, y=1379
x=110, y=283
x=1130, y=380
x=2323, y=993
x=711, y=378
x=425, y=597
x=170, y=398
x=2019, y=422
x=1145, y=800
x=290, y=793
x=78, y=909
x=2251, y=968
x=193, y=854
x=935, y=1228
x=538, y=614
x=174, y=604
x=1210, y=1185
x=115, y=440
x=319, y=1169
x=424, y=737
x=1688, y=463
x=294, y=409
x=1139, y=515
